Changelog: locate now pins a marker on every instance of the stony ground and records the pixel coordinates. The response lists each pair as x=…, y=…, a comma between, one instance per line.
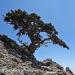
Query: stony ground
x=13, y=61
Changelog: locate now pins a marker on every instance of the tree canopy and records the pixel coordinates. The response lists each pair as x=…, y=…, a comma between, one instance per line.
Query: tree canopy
x=32, y=26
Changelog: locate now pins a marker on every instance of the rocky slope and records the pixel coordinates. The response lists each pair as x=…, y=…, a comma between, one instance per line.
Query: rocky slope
x=16, y=60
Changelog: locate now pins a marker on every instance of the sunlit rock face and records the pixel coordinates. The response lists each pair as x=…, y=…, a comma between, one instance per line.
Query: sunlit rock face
x=16, y=60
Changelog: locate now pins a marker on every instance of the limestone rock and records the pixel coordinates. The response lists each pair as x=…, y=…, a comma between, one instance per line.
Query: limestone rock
x=16, y=60
x=68, y=71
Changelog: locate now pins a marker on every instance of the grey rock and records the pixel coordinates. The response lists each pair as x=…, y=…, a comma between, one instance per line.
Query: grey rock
x=68, y=71
x=16, y=60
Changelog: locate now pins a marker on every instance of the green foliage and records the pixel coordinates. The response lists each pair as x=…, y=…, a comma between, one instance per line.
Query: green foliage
x=32, y=25
x=8, y=43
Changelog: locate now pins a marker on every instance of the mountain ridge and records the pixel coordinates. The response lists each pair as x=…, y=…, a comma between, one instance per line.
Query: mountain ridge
x=16, y=60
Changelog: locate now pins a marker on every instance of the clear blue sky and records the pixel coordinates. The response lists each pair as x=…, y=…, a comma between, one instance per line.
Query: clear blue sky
x=59, y=12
